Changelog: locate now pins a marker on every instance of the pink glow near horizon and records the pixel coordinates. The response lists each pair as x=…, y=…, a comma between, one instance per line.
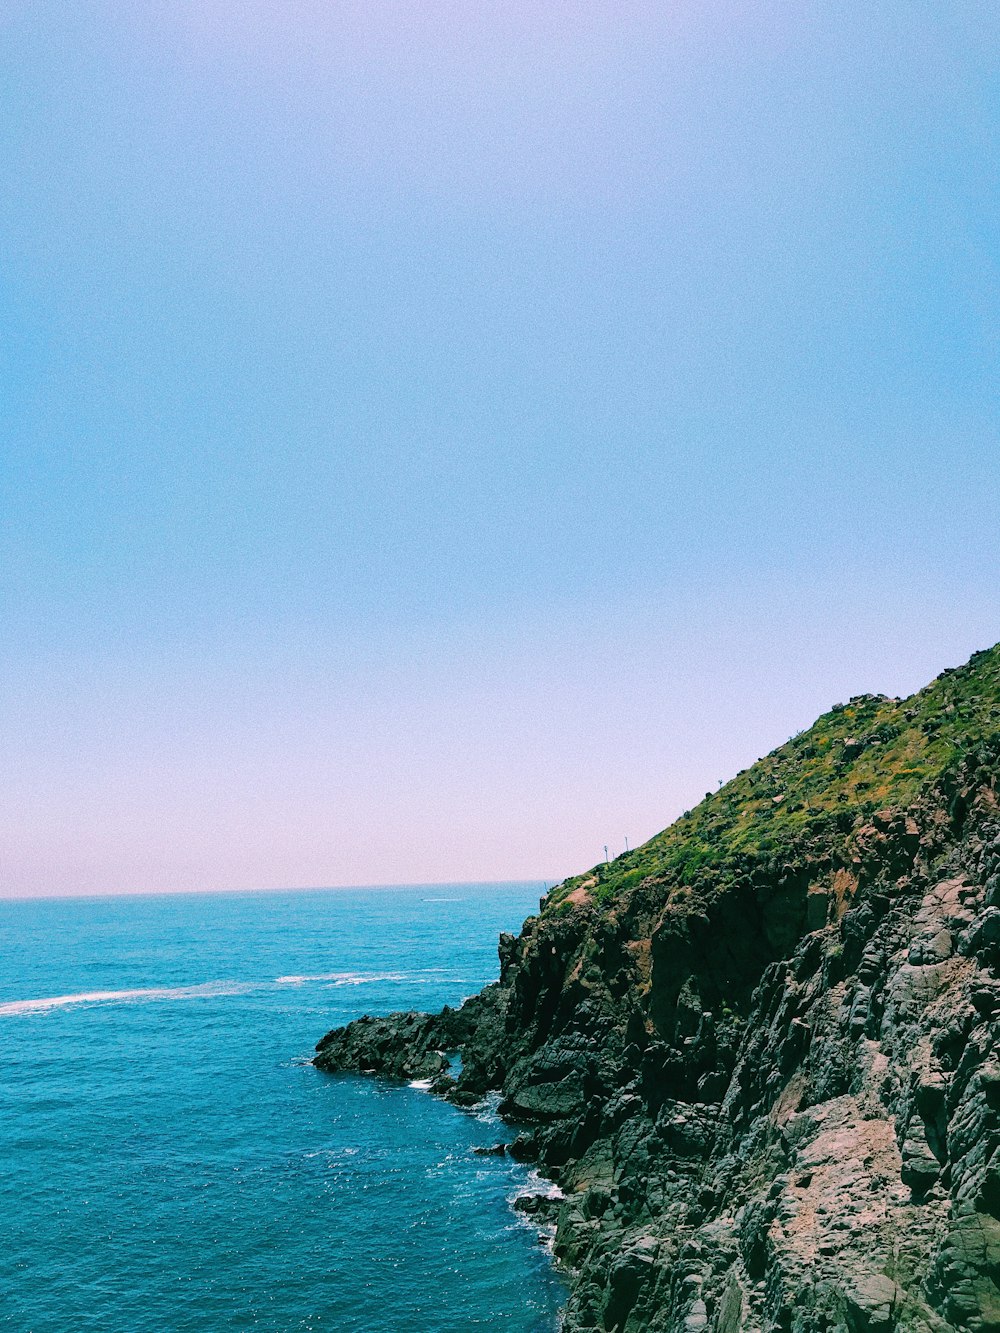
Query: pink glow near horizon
x=478, y=762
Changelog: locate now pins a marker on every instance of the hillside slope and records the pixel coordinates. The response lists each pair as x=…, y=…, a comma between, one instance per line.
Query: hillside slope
x=758, y=1053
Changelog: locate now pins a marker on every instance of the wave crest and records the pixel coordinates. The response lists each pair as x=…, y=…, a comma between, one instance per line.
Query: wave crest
x=342, y=978
x=206, y=990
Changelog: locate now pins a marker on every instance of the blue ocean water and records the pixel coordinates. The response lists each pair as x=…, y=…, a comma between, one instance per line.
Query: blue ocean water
x=171, y=1162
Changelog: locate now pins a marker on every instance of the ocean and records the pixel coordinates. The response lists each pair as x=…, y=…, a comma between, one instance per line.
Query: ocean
x=171, y=1162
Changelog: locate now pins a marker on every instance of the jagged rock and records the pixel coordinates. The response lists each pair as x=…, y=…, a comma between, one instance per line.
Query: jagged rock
x=524, y=1148
x=539, y=1206
x=760, y=1054
x=871, y=1304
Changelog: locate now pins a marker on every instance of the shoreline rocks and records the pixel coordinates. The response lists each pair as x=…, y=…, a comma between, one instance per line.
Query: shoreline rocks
x=769, y=1094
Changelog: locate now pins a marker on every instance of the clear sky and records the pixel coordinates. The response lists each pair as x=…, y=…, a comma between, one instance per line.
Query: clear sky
x=442, y=438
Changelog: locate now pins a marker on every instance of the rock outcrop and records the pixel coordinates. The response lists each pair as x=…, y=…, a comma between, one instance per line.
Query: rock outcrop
x=759, y=1054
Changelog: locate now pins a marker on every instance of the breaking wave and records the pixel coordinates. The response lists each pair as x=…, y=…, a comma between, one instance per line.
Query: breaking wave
x=206, y=990
x=343, y=978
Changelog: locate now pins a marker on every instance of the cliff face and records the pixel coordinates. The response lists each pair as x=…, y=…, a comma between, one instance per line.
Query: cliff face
x=759, y=1054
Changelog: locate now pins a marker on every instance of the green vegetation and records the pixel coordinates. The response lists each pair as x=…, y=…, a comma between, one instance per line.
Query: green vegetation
x=862, y=757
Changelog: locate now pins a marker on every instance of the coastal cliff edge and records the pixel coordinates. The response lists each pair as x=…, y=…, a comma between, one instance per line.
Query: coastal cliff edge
x=759, y=1053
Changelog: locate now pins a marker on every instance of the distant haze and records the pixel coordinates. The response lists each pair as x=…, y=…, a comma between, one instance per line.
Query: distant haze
x=440, y=440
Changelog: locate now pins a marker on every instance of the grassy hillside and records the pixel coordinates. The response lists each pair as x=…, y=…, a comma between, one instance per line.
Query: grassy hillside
x=862, y=757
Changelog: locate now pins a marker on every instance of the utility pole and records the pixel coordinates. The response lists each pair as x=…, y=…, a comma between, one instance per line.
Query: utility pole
x=606, y=861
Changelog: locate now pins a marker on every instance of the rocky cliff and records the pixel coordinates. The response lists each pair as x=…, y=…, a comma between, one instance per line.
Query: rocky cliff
x=759, y=1053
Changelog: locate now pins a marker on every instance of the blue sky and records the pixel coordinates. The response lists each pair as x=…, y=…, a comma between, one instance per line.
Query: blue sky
x=442, y=440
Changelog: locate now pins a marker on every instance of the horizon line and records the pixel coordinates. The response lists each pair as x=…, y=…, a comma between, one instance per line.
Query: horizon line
x=302, y=888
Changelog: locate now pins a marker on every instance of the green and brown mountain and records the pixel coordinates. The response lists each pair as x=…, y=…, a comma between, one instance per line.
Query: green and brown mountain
x=759, y=1053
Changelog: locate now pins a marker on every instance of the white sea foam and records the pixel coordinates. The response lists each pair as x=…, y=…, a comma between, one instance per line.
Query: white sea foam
x=486, y=1109
x=537, y=1184
x=424, y=1084
x=206, y=990
x=341, y=978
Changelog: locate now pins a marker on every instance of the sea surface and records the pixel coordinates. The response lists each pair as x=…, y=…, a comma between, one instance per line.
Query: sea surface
x=171, y=1162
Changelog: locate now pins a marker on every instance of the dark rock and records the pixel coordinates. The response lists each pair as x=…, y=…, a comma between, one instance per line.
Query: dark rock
x=524, y=1148
x=463, y=1097
x=528, y=1203
x=761, y=1058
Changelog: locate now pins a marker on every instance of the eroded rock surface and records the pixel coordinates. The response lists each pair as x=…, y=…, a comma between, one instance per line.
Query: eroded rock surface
x=769, y=1088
